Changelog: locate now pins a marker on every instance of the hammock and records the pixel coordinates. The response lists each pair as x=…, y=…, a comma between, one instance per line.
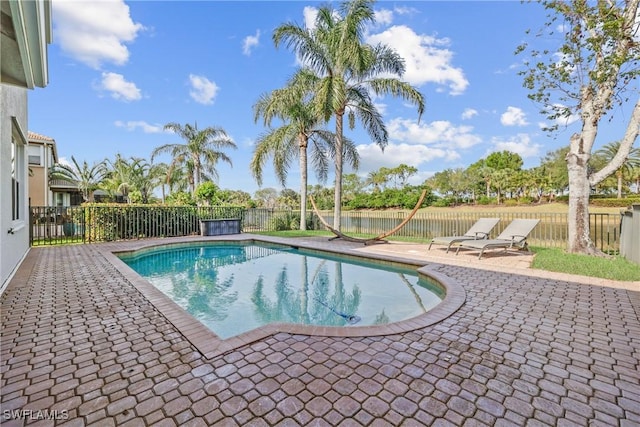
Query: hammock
x=368, y=241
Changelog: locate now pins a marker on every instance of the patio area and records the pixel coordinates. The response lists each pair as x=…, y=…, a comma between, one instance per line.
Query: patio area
x=81, y=344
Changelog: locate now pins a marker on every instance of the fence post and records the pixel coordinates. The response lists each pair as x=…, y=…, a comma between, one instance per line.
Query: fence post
x=630, y=234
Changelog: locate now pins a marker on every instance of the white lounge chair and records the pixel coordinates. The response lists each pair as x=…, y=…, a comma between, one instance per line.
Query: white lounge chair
x=514, y=236
x=479, y=230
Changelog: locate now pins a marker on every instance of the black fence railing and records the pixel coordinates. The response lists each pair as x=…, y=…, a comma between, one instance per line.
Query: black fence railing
x=86, y=224
x=97, y=223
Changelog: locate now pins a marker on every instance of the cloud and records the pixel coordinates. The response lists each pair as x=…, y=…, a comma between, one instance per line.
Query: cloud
x=203, y=91
x=373, y=158
x=120, y=88
x=138, y=124
x=426, y=58
x=65, y=161
x=565, y=119
x=94, y=32
x=440, y=133
x=514, y=116
x=520, y=143
x=469, y=113
x=384, y=17
x=310, y=13
x=250, y=42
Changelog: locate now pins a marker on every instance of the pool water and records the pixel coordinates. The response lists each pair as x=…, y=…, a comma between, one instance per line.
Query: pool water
x=234, y=288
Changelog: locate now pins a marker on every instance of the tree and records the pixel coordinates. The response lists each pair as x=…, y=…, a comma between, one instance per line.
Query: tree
x=200, y=153
x=344, y=73
x=504, y=160
x=266, y=197
x=207, y=193
x=300, y=128
x=135, y=174
x=86, y=177
x=555, y=167
x=590, y=73
x=609, y=151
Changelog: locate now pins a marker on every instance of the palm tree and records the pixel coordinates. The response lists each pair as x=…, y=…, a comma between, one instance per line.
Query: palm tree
x=118, y=177
x=200, y=153
x=300, y=126
x=632, y=161
x=345, y=72
x=86, y=177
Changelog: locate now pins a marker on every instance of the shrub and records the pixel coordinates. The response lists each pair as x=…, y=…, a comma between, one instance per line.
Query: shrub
x=525, y=200
x=510, y=202
x=484, y=200
x=290, y=221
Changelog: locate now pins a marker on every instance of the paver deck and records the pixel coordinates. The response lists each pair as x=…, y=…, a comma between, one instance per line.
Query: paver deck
x=81, y=344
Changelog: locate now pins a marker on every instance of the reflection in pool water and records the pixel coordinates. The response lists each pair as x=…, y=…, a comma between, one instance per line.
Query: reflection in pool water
x=234, y=288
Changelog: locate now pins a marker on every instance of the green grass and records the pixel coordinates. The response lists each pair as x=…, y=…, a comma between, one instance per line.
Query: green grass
x=550, y=259
x=613, y=268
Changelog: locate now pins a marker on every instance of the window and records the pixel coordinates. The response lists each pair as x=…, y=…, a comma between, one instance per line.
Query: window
x=34, y=160
x=18, y=167
x=35, y=154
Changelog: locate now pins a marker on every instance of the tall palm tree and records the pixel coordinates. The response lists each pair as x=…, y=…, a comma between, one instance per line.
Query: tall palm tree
x=345, y=73
x=200, y=152
x=300, y=127
x=86, y=177
x=632, y=161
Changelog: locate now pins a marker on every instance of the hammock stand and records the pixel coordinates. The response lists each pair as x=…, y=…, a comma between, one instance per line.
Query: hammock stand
x=373, y=240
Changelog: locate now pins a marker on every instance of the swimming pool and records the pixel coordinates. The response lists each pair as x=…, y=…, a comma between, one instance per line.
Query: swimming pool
x=235, y=287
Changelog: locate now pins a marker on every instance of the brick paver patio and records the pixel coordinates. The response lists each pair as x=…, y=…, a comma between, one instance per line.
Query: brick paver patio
x=81, y=344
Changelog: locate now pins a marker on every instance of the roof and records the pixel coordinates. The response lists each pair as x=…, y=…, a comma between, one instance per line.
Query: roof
x=32, y=136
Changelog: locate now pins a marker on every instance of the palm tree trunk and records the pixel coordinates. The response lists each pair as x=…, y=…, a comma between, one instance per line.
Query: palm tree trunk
x=303, y=182
x=337, y=195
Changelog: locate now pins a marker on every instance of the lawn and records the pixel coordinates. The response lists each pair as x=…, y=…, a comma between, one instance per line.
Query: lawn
x=613, y=268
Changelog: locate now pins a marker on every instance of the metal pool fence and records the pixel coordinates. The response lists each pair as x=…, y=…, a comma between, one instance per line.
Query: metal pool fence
x=86, y=224
x=55, y=225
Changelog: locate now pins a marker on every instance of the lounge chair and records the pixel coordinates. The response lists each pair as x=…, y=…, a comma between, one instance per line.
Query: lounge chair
x=479, y=230
x=514, y=236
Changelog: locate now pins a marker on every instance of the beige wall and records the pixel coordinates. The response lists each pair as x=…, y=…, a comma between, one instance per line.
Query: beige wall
x=37, y=186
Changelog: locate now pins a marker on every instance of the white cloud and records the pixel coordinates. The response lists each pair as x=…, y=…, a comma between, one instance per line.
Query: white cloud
x=426, y=58
x=520, y=143
x=404, y=10
x=514, y=116
x=440, y=133
x=203, y=91
x=373, y=158
x=250, y=42
x=309, y=13
x=383, y=17
x=120, y=88
x=65, y=161
x=469, y=113
x=132, y=125
x=565, y=120
x=94, y=32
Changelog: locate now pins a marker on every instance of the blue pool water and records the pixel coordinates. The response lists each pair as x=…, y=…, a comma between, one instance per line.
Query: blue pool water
x=234, y=288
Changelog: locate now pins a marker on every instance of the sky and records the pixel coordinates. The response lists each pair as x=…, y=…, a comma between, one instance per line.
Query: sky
x=119, y=71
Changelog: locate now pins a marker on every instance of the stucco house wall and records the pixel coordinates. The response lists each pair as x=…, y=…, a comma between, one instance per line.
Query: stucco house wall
x=14, y=234
x=26, y=33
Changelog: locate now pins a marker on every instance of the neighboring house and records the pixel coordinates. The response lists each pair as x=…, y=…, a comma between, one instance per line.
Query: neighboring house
x=42, y=155
x=25, y=33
